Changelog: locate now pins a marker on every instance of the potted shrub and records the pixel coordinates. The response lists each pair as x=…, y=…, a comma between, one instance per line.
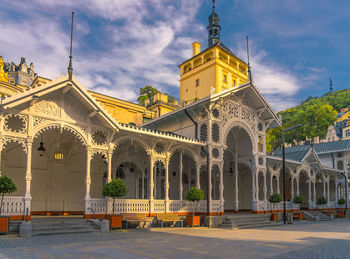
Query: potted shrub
x=6, y=186
x=194, y=195
x=299, y=200
x=115, y=189
x=321, y=201
x=341, y=213
x=274, y=198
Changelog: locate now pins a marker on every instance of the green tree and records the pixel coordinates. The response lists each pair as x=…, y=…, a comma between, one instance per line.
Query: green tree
x=298, y=199
x=114, y=189
x=6, y=186
x=195, y=195
x=146, y=93
x=315, y=116
x=275, y=198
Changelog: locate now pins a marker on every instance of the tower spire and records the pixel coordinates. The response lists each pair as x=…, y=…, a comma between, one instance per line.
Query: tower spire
x=330, y=85
x=214, y=27
x=249, y=71
x=70, y=67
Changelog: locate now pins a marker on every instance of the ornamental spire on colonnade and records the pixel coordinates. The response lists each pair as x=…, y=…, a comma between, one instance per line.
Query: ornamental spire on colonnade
x=70, y=67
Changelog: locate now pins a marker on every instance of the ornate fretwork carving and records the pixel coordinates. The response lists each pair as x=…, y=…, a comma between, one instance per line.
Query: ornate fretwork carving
x=48, y=107
x=16, y=123
x=37, y=121
x=230, y=111
x=21, y=141
x=249, y=117
x=99, y=137
x=159, y=148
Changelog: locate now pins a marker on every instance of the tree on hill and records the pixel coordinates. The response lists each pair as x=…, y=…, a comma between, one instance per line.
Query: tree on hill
x=146, y=93
x=316, y=114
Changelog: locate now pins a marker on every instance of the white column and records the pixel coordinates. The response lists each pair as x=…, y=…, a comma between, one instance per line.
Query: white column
x=180, y=176
x=314, y=184
x=324, y=187
x=236, y=176
x=88, y=173
x=265, y=188
x=150, y=182
x=166, y=180
x=292, y=188
x=109, y=171
x=328, y=196
x=210, y=185
x=298, y=190
x=221, y=185
x=198, y=176
x=309, y=192
x=155, y=181
x=28, y=178
x=143, y=184
x=271, y=184
x=336, y=190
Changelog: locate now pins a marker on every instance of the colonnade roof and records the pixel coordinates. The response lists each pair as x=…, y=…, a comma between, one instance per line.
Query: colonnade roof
x=66, y=84
x=251, y=93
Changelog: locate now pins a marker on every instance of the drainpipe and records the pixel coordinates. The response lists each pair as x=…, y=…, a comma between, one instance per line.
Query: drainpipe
x=194, y=122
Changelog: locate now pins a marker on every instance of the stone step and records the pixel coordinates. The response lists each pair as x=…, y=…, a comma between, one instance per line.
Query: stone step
x=60, y=232
x=62, y=227
x=251, y=225
x=36, y=223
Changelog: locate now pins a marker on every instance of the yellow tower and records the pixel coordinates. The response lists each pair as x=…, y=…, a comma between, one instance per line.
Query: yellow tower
x=3, y=75
x=213, y=70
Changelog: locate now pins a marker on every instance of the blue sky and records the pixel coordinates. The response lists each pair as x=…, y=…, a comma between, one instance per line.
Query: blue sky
x=122, y=45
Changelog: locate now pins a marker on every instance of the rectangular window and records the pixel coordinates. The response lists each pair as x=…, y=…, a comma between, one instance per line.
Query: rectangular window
x=197, y=82
x=347, y=133
x=225, y=78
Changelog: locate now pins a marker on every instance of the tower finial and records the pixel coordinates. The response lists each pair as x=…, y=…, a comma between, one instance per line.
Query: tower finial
x=70, y=67
x=249, y=71
x=213, y=4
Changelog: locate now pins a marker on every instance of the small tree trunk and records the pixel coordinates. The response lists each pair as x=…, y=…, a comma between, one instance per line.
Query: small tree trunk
x=2, y=198
x=194, y=209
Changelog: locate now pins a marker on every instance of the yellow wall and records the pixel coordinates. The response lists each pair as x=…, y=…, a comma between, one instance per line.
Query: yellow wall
x=210, y=68
x=122, y=111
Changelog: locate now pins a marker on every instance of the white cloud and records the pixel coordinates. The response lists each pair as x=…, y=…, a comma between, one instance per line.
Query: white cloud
x=141, y=42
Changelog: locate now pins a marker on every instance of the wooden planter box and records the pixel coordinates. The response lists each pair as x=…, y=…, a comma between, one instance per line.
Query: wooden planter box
x=193, y=221
x=4, y=224
x=274, y=217
x=115, y=221
x=298, y=215
x=340, y=214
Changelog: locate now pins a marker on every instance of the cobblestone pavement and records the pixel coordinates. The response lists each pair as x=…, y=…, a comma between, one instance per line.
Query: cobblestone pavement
x=300, y=240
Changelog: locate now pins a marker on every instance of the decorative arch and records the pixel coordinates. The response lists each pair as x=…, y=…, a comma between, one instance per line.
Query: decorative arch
x=242, y=125
x=75, y=130
x=9, y=139
x=126, y=139
x=178, y=147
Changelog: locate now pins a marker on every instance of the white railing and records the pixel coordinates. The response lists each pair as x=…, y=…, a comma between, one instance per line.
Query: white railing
x=96, y=206
x=279, y=206
x=13, y=206
x=103, y=206
x=128, y=206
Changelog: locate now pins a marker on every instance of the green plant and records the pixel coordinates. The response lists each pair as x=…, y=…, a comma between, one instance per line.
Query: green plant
x=298, y=199
x=275, y=198
x=341, y=201
x=6, y=186
x=321, y=201
x=114, y=189
x=195, y=195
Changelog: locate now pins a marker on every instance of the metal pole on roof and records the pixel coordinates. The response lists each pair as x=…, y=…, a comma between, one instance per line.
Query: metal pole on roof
x=284, y=170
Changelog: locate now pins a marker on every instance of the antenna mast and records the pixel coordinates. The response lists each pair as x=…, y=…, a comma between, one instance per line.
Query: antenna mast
x=70, y=67
x=249, y=71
